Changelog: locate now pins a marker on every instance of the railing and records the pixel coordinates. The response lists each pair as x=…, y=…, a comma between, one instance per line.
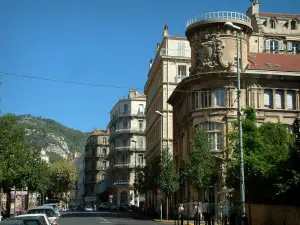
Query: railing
x=101, y=167
x=226, y=15
x=121, y=182
x=102, y=155
x=180, y=52
x=127, y=113
x=120, y=165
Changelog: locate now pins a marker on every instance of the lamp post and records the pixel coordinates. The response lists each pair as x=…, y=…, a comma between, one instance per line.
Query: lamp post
x=161, y=149
x=242, y=175
x=135, y=177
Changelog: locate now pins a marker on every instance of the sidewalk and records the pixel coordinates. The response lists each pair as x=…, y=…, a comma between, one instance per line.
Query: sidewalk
x=169, y=222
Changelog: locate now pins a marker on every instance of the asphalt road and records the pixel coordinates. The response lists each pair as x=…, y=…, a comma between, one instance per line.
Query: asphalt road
x=104, y=218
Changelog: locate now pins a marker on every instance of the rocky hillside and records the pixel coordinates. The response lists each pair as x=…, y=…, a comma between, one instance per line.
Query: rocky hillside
x=57, y=140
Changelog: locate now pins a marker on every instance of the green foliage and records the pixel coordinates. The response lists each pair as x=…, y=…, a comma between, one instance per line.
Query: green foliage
x=63, y=175
x=145, y=180
x=166, y=178
x=39, y=131
x=267, y=151
x=199, y=164
x=20, y=165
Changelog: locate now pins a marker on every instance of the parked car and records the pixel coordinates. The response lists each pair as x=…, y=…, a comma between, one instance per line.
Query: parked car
x=55, y=207
x=12, y=222
x=88, y=208
x=37, y=214
x=30, y=220
x=48, y=210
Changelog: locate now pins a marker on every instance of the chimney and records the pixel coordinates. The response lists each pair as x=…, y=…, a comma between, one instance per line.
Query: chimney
x=132, y=93
x=166, y=31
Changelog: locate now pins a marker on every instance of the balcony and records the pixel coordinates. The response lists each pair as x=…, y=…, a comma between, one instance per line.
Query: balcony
x=120, y=182
x=100, y=155
x=220, y=16
x=137, y=114
x=100, y=167
x=123, y=165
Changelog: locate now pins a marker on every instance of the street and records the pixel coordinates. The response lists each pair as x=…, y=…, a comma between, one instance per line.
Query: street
x=107, y=218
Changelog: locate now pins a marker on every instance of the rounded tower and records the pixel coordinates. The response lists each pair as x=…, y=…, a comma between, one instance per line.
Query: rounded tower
x=214, y=44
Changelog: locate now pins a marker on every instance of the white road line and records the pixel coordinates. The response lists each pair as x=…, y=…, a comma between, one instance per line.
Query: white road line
x=103, y=220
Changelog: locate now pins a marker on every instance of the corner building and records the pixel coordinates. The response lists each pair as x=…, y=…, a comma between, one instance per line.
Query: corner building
x=127, y=147
x=208, y=97
x=170, y=65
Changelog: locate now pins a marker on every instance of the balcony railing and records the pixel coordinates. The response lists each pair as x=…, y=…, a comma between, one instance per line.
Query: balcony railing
x=100, y=155
x=140, y=114
x=126, y=131
x=224, y=15
x=121, y=182
x=124, y=165
x=179, y=52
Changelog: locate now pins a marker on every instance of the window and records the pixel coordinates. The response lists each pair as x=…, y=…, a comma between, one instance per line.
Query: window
x=125, y=125
x=141, y=125
x=140, y=159
x=272, y=24
x=125, y=108
x=104, y=140
x=181, y=48
x=141, y=109
x=289, y=128
x=235, y=62
x=104, y=164
x=206, y=99
x=293, y=25
x=125, y=158
x=291, y=100
x=274, y=45
x=141, y=142
x=219, y=98
x=124, y=142
x=279, y=99
x=215, y=135
x=181, y=71
x=268, y=99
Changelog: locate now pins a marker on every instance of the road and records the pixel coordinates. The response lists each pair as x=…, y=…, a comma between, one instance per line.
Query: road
x=104, y=218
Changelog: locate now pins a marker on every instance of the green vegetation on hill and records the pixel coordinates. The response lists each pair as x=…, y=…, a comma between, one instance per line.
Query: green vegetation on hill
x=43, y=133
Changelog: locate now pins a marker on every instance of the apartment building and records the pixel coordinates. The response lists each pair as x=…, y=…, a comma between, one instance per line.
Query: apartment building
x=170, y=66
x=96, y=164
x=273, y=32
x=77, y=193
x=208, y=97
x=127, y=148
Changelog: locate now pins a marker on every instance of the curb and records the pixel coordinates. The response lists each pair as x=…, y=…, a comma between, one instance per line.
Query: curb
x=171, y=222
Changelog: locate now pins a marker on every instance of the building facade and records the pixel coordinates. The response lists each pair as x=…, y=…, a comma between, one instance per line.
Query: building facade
x=96, y=163
x=170, y=65
x=274, y=32
x=127, y=147
x=269, y=82
x=77, y=193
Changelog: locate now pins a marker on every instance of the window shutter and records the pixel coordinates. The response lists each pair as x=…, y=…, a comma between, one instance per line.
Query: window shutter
x=267, y=96
x=289, y=46
x=280, y=45
x=279, y=98
x=267, y=44
x=290, y=100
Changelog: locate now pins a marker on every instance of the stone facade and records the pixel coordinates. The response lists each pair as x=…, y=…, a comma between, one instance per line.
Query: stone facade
x=209, y=95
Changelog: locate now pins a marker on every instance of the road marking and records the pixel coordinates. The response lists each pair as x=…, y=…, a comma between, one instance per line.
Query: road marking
x=104, y=220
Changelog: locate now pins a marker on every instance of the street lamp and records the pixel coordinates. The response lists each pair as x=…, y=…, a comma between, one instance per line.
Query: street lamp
x=242, y=175
x=161, y=149
x=135, y=177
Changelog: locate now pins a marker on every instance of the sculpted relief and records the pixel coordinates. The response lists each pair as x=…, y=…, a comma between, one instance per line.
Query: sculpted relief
x=208, y=54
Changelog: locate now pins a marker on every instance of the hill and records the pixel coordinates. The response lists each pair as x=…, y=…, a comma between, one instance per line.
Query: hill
x=56, y=139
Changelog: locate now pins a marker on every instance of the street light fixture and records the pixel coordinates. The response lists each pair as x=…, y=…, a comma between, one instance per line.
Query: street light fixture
x=242, y=175
x=161, y=149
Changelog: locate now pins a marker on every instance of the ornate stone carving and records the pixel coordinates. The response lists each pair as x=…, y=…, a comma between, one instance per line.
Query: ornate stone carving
x=208, y=54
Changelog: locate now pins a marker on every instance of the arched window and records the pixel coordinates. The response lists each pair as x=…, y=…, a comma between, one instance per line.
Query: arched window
x=272, y=24
x=293, y=25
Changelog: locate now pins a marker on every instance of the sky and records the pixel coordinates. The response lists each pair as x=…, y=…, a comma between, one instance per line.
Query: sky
x=99, y=42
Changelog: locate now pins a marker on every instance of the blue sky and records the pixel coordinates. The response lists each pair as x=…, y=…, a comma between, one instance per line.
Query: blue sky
x=108, y=42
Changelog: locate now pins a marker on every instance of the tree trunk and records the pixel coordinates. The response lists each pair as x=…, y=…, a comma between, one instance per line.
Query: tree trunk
x=8, y=201
x=167, y=208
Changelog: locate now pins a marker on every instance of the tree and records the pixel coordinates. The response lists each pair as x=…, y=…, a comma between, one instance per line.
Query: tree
x=200, y=163
x=63, y=175
x=20, y=165
x=266, y=152
x=166, y=178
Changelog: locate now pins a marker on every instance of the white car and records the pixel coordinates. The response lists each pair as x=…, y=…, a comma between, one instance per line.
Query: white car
x=48, y=210
x=54, y=206
x=36, y=214
x=88, y=208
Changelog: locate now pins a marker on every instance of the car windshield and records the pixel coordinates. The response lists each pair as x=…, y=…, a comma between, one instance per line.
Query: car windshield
x=31, y=222
x=48, y=212
x=53, y=206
